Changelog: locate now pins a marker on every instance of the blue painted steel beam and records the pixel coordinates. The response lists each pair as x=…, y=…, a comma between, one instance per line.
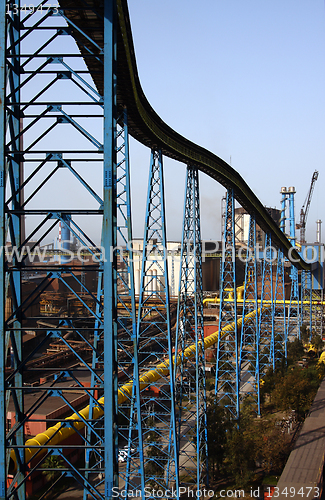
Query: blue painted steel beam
x=129, y=413
x=44, y=152
x=154, y=339
x=109, y=240
x=279, y=345
x=293, y=323
x=14, y=143
x=190, y=374
x=306, y=311
x=3, y=418
x=227, y=363
x=266, y=317
x=249, y=355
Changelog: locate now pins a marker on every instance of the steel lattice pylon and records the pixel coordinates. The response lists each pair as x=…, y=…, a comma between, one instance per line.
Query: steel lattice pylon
x=317, y=311
x=266, y=317
x=280, y=330
x=48, y=94
x=306, y=315
x=312, y=295
x=154, y=339
x=190, y=373
x=227, y=364
x=130, y=434
x=293, y=322
x=279, y=345
x=249, y=359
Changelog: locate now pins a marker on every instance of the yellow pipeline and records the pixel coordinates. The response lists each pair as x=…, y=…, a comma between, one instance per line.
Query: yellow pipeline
x=63, y=432
x=239, y=292
x=216, y=300
x=240, y=298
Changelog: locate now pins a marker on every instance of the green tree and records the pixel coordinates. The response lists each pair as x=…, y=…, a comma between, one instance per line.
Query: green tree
x=295, y=391
x=295, y=351
x=218, y=424
x=271, y=446
x=239, y=461
x=52, y=463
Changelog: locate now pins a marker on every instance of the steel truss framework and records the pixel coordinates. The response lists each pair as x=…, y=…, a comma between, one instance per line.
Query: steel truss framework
x=266, y=318
x=279, y=344
x=293, y=318
x=48, y=95
x=249, y=358
x=280, y=328
x=154, y=339
x=190, y=372
x=317, y=311
x=57, y=127
x=293, y=322
x=306, y=315
x=227, y=363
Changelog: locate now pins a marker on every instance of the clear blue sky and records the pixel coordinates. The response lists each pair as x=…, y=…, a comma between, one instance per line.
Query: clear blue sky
x=244, y=79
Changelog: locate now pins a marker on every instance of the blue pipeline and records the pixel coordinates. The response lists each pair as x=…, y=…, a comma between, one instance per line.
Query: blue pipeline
x=292, y=218
x=65, y=238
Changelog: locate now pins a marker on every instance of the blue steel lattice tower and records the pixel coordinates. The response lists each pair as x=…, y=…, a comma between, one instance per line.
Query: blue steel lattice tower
x=48, y=143
x=266, y=318
x=190, y=373
x=155, y=342
x=227, y=364
x=249, y=353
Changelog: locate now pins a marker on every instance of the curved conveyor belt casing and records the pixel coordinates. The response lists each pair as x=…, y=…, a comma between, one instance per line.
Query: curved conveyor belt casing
x=147, y=127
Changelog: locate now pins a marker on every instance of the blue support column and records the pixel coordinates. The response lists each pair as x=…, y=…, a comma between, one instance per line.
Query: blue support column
x=129, y=432
x=280, y=328
x=129, y=413
x=154, y=338
x=317, y=311
x=109, y=241
x=16, y=236
x=293, y=324
x=3, y=354
x=266, y=319
x=280, y=333
x=292, y=223
x=306, y=316
x=48, y=107
x=190, y=373
x=227, y=364
x=249, y=359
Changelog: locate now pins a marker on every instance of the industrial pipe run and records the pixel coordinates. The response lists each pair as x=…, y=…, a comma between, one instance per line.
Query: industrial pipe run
x=61, y=431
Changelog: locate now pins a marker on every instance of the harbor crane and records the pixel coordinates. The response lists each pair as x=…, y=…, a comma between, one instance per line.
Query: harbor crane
x=305, y=209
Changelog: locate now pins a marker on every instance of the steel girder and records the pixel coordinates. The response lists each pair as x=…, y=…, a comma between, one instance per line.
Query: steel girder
x=154, y=338
x=227, y=363
x=190, y=373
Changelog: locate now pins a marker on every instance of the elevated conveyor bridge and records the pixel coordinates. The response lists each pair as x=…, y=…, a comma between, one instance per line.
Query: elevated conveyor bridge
x=67, y=123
